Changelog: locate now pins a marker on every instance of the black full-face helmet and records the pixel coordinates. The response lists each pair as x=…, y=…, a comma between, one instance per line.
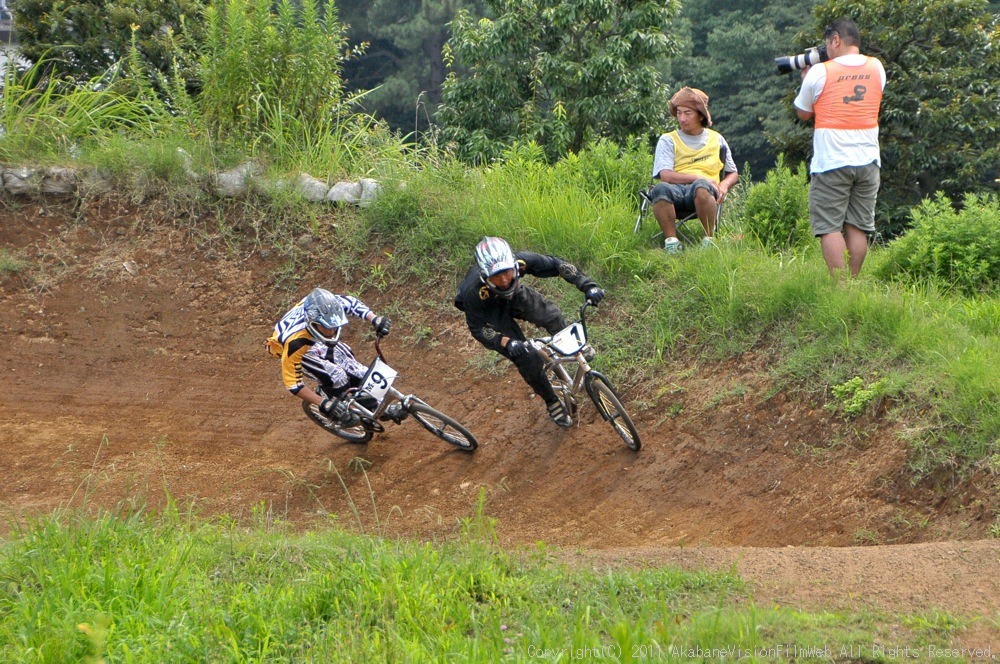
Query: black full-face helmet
x=325, y=309
x=494, y=255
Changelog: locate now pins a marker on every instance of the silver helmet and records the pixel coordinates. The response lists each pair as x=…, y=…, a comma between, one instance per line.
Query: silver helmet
x=494, y=255
x=324, y=308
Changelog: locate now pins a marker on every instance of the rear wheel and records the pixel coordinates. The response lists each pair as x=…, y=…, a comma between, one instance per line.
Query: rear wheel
x=443, y=426
x=611, y=409
x=359, y=433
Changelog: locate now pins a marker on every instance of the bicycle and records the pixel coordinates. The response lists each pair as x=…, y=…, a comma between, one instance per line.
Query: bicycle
x=567, y=346
x=370, y=401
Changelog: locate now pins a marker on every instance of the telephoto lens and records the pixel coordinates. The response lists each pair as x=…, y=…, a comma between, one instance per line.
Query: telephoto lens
x=812, y=56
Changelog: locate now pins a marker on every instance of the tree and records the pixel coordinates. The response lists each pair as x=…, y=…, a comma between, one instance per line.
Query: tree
x=730, y=55
x=403, y=64
x=558, y=72
x=87, y=37
x=938, y=126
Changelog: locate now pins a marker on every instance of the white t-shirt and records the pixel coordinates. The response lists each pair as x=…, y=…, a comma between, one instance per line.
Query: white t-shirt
x=837, y=148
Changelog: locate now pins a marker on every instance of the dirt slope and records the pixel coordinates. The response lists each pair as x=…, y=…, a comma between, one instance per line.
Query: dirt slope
x=132, y=368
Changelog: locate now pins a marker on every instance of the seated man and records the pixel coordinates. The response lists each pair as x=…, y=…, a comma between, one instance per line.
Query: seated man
x=688, y=163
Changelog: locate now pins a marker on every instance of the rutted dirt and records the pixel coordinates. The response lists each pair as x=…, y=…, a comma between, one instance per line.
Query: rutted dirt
x=133, y=368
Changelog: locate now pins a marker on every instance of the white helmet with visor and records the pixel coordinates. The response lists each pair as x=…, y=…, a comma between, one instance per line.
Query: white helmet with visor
x=493, y=256
x=324, y=309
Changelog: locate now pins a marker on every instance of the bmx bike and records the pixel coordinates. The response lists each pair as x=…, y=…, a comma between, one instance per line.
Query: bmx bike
x=370, y=401
x=567, y=347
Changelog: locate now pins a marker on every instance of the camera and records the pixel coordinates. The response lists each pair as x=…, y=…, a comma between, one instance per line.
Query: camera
x=812, y=56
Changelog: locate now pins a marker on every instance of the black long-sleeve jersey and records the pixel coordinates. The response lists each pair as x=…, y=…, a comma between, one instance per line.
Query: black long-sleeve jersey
x=491, y=317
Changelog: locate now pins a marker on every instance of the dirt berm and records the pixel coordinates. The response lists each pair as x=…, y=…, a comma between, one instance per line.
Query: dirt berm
x=133, y=368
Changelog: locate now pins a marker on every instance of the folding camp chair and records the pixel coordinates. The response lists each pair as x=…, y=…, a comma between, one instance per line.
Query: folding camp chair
x=684, y=215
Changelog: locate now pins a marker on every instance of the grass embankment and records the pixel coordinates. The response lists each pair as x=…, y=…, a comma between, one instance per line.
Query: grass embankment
x=850, y=345
x=135, y=587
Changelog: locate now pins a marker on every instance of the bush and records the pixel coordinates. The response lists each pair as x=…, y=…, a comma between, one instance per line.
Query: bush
x=777, y=210
x=88, y=37
x=953, y=248
x=604, y=168
x=272, y=75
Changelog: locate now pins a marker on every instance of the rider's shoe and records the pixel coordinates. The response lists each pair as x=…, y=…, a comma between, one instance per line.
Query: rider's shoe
x=349, y=420
x=342, y=415
x=559, y=414
x=395, y=412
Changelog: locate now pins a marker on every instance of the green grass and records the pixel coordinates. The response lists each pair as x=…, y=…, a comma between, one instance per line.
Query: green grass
x=137, y=587
x=11, y=263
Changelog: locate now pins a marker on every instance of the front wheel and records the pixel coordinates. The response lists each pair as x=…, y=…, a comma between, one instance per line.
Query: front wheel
x=611, y=409
x=443, y=426
x=360, y=433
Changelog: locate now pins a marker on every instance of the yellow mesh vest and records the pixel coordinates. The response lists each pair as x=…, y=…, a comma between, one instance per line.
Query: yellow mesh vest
x=704, y=162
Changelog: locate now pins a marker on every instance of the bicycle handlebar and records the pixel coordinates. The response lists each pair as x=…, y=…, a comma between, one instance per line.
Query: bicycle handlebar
x=583, y=315
x=378, y=349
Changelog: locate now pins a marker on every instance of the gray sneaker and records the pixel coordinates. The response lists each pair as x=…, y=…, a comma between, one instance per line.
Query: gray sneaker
x=672, y=245
x=394, y=412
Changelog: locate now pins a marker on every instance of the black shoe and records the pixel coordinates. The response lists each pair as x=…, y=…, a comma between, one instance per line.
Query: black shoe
x=395, y=412
x=559, y=414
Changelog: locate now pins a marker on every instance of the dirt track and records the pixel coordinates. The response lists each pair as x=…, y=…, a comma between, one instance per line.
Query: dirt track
x=133, y=367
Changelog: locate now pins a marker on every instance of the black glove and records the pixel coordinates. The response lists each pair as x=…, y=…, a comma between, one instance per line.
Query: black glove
x=381, y=325
x=334, y=408
x=517, y=348
x=595, y=294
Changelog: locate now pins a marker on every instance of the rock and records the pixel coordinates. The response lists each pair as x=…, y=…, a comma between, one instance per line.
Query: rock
x=58, y=181
x=312, y=189
x=20, y=181
x=370, y=189
x=234, y=182
x=92, y=183
x=345, y=192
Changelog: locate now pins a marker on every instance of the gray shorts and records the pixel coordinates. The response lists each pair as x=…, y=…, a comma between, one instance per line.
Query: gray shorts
x=681, y=195
x=843, y=196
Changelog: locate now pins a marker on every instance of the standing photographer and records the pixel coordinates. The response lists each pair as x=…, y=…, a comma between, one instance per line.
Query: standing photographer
x=843, y=96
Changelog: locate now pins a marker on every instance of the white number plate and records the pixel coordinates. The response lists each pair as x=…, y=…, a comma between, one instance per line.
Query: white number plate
x=570, y=340
x=379, y=379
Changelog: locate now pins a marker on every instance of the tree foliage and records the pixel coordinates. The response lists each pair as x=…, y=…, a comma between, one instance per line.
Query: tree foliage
x=403, y=62
x=87, y=37
x=558, y=72
x=730, y=55
x=938, y=126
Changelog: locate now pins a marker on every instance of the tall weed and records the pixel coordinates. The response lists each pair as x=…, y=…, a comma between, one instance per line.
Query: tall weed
x=259, y=66
x=777, y=210
x=953, y=248
x=43, y=120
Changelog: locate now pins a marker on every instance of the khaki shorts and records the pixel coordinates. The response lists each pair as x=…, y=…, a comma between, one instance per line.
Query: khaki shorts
x=843, y=196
